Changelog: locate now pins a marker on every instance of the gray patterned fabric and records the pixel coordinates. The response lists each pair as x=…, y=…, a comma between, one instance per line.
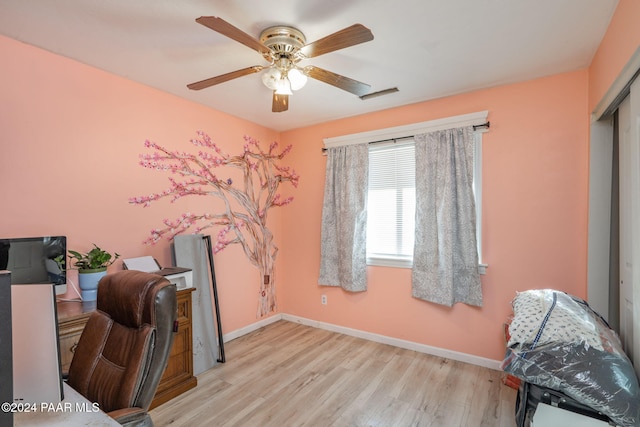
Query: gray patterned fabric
x=445, y=257
x=343, y=258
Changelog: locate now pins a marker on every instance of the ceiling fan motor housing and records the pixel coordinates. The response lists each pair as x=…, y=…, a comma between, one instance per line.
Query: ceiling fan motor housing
x=283, y=41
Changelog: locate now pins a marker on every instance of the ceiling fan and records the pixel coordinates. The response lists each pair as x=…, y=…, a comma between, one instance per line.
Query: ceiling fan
x=284, y=47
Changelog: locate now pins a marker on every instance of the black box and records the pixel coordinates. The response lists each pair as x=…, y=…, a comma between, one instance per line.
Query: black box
x=529, y=395
x=6, y=348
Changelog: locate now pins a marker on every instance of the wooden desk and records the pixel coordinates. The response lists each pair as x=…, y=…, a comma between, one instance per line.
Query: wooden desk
x=178, y=376
x=74, y=410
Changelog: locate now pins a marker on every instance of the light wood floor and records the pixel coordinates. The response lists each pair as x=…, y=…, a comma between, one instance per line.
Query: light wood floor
x=287, y=374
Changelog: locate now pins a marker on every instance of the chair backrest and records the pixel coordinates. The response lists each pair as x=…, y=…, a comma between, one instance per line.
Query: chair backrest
x=125, y=345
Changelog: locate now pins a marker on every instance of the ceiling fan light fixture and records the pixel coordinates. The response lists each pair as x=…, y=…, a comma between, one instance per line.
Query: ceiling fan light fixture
x=297, y=78
x=271, y=77
x=283, y=87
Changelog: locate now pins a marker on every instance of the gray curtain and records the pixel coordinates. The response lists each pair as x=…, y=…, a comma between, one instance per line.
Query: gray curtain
x=445, y=257
x=343, y=258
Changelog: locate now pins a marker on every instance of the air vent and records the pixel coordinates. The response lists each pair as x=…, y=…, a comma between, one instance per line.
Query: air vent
x=379, y=93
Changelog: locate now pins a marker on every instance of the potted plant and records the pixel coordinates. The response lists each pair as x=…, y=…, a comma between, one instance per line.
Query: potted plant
x=92, y=266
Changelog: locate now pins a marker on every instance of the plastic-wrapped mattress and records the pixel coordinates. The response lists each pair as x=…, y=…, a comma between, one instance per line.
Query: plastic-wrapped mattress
x=558, y=341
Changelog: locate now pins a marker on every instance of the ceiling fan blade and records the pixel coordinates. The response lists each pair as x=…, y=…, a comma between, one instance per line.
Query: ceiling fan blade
x=224, y=77
x=350, y=36
x=342, y=82
x=223, y=27
x=280, y=103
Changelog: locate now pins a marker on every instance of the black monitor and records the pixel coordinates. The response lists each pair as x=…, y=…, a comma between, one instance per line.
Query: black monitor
x=36, y=260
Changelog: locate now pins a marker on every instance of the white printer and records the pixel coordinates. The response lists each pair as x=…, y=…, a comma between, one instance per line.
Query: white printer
x=181, y=277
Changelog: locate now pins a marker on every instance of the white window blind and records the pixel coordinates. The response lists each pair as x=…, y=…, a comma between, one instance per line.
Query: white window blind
x=391, y=203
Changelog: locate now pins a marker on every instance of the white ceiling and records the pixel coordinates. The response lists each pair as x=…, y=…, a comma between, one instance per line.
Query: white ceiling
x=427, y=48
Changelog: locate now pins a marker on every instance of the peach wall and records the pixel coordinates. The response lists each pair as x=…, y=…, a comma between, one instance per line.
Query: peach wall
x=535, y=168
x=93, y=124
x=70, y=138
x=620, y=42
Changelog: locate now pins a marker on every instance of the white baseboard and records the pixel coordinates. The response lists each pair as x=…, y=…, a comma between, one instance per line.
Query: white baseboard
x=250, y=328
x=409, y=345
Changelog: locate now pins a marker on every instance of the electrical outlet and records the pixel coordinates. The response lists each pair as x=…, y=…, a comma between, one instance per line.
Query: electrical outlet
x=323, y=300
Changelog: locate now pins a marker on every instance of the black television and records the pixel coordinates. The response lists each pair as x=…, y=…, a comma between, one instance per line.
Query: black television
x=36, y=260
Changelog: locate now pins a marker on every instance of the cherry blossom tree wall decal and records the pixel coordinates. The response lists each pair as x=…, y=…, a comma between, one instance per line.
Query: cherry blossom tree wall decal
x=247, y=203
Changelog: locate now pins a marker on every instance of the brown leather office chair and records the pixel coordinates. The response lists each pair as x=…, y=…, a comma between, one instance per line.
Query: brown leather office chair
x=125, y=345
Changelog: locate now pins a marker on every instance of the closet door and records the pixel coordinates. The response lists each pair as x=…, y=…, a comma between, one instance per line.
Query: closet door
x=635, y=219
x=626, y=252
x=629, y=134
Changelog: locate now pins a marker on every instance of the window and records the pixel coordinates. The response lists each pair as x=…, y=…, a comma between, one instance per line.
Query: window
x=391, y=203
x=391, y=195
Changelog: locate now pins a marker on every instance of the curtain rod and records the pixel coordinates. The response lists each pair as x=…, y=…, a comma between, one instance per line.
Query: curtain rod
x=486, y=125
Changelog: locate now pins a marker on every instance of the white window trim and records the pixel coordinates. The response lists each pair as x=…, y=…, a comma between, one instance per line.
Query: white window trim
x=471, y=119
x=477, y=182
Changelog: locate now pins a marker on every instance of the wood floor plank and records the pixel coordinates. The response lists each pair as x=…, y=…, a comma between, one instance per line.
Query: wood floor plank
x=288, y=374
x=485, y=403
